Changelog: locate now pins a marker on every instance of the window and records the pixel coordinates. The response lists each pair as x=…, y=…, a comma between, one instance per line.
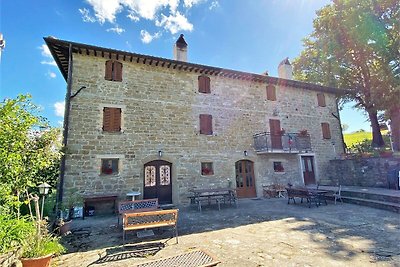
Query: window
x=206, y=124
x=204, y=84
x=113, y=71
x=326, y=132
x=278, y=166
x=109, y=166
x=112, y=119
x=321, y=100
x=271, y=92
x=207, y=168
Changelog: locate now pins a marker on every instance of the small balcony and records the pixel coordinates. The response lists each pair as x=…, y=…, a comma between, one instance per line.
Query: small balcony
x=282, y=143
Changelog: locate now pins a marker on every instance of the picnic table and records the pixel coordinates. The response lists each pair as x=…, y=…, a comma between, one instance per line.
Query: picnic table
x=208, y=195
x=309, y=193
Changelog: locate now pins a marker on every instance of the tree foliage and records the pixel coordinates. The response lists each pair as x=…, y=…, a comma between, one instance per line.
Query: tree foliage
x=355, y=45
x=28, y=151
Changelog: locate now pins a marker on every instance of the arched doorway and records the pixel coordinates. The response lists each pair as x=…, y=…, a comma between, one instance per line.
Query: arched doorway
x=158, y=181
x=245, y=180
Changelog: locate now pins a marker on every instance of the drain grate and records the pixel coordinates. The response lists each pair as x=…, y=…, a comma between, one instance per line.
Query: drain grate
x=196, y=258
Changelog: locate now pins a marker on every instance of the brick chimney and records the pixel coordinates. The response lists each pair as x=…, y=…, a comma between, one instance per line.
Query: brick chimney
x=180, y=49
x=285, y=70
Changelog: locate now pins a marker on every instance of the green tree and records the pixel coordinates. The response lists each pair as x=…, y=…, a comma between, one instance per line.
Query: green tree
x=356, y=45
x=28, y=151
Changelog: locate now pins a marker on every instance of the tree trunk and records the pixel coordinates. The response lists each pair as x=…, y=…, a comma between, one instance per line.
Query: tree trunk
x=377, y=140
x=395, y=128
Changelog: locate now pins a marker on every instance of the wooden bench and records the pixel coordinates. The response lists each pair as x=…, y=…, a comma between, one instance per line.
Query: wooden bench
x=137, y=206
x=150, y=219
x=98, y=198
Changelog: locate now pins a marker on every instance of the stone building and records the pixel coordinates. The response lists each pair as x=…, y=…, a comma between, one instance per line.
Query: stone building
x=165, y=126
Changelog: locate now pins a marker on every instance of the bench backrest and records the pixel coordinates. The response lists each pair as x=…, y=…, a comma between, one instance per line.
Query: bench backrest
x=148, y=219
x=139, y=205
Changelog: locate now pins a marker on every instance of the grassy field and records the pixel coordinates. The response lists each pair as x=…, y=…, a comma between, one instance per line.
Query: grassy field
x=356, y=137
x=353, y=138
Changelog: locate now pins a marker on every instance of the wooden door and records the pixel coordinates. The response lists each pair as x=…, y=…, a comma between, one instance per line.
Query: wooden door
x=158, y=181
x=276, y=136
x=245, y=180
x=307, y=165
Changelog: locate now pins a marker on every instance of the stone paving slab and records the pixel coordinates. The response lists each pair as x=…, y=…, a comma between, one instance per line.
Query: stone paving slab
x=264, y=232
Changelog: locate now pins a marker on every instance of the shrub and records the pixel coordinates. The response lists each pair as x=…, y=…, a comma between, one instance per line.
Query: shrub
x=13, y=232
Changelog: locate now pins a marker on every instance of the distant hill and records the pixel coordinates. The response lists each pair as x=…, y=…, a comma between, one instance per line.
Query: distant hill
x=356, y=137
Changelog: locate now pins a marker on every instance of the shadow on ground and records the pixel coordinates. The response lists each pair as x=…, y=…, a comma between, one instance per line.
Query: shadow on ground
x=268, y=230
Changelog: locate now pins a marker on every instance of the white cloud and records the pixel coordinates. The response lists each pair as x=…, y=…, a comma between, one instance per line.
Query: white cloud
x=214, y=5
x=164, y=13
x=133, y=17
x=51, y=74
x=59, y=108
x=46, y=53
x=116, y=29
x=190, y=3
x=105, y=10
x=175, y=23
x=146, y=37
x=86, y=17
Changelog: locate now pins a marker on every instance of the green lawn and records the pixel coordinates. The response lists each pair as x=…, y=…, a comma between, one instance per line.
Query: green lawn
x=357, y=137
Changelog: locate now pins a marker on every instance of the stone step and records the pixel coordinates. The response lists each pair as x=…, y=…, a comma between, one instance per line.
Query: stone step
x=371, y=196
x=395, y=207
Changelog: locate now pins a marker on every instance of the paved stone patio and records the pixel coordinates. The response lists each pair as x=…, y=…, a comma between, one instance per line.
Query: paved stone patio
x=260, y=232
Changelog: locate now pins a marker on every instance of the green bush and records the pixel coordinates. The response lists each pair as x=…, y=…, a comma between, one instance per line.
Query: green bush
x=37, y=246
x=13, y=232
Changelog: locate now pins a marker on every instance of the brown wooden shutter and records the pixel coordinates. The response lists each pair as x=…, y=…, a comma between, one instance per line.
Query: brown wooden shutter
x=117, y=71
x=206, y=124
x=112, y=119
x=106, y=119
x=321, y=100
x=207, y=85
x=326, y=132
x=271, y=92
x=275, y=126
x=108, y=70
x=204, y=84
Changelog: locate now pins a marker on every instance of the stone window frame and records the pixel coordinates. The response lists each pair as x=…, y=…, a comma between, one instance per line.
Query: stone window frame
x=207, y=168
x=101, y=112
x=204, y=84
x=278, y=167
x=102, y=157
x=271, y=92
x=321, y=99
x=206, y=124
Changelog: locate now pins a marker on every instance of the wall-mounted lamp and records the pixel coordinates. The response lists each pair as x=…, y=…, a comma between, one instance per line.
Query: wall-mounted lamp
x=160, y=153
x=245, y=153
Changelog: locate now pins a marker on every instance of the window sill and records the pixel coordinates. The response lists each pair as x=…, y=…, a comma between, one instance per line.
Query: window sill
x=275, y=172
x=112, y=133
x=109, y=175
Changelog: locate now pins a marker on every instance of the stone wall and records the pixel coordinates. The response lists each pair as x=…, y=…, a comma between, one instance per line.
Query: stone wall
x=370, y=172
x=160, y=112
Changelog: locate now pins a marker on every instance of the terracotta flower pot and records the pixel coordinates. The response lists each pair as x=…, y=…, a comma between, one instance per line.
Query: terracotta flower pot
x=37, y=262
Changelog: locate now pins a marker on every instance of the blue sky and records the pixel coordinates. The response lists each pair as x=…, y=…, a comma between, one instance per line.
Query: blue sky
x=252, y=36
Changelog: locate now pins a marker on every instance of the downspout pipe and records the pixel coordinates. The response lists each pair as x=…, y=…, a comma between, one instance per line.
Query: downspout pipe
x=60, y=190
x=340, y=126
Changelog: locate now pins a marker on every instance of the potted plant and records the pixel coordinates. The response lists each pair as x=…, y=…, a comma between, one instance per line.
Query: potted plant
x=303, y=132
x=39, y=247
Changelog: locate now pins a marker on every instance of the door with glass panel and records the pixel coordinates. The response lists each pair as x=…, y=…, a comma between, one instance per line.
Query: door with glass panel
x=245, y=180
x=307, y=166
x=158, y=181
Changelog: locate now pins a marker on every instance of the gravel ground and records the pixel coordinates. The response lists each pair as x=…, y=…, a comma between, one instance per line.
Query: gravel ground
x=260, y=232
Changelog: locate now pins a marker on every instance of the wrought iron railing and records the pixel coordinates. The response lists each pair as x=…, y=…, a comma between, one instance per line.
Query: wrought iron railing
x=288, y=142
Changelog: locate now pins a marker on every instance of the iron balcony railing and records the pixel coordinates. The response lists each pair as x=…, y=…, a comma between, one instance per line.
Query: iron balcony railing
x=287, y=143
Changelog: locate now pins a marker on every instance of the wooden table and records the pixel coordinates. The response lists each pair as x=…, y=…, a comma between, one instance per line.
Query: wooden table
x=213, y=194
x=311, y=194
